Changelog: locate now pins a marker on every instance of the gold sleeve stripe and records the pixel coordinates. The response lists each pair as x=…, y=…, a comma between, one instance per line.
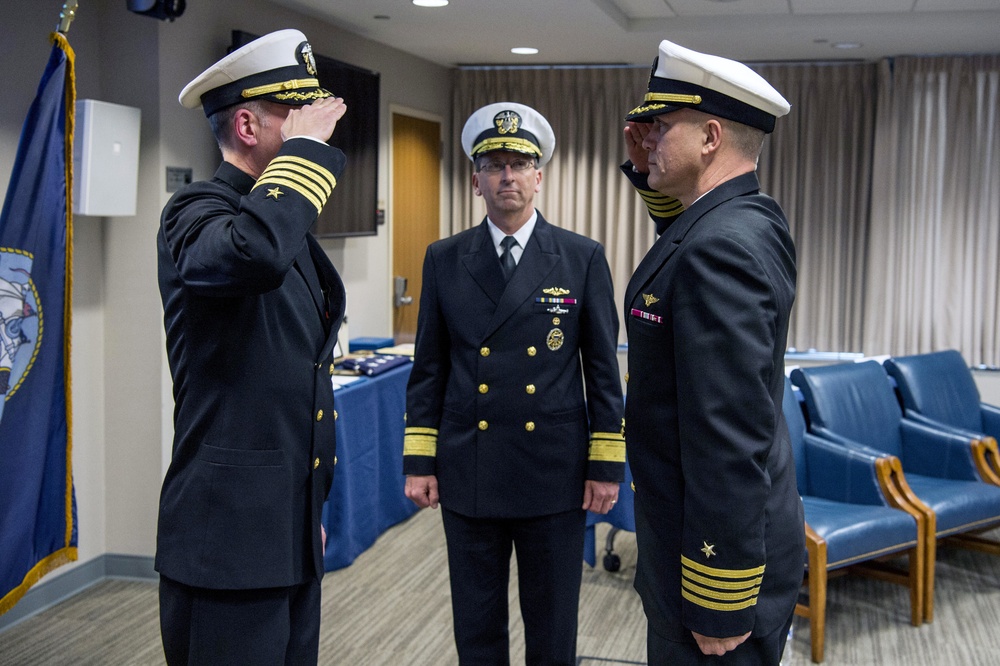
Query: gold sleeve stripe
x=607, y=447
x=307, y=178
x=319, y=174
x=660, y=203
x=419, y=441
x=305, y=167
x=722, y=573
x=419, y=445
x=720, y=596
x=321, y=190
x=744, y=584
x=711, y=605
x=417, y=430
x=667, y=208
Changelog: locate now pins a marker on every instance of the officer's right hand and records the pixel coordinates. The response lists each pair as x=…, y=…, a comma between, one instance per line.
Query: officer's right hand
x=635, y=134
x=316, y=120
x=422, y=490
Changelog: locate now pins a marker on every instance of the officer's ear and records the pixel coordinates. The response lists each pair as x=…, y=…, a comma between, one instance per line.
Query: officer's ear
x=246, y=127
x=713, y=135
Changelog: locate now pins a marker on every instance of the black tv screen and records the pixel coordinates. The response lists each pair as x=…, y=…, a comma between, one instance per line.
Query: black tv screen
x=352, y=209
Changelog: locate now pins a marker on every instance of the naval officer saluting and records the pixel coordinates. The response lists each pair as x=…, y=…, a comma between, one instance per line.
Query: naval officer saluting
x=251, y=307
x=514, y=403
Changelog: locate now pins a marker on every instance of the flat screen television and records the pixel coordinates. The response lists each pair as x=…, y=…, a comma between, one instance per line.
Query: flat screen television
x=352, y=209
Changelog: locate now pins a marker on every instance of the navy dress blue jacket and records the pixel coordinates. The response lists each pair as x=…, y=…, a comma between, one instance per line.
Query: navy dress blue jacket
x=719, y=523
x=251, y=306
x=515, y=396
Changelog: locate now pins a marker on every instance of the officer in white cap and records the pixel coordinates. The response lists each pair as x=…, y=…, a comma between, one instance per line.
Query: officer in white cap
x=718, y=516
x=517, y=316
x=251, y=307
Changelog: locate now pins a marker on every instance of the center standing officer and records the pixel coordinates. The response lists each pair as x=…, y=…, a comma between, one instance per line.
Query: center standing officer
x=251, y=307
x=719, y=526
x=514, y=403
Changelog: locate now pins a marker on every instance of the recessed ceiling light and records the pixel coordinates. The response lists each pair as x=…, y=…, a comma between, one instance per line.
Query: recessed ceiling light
x=846, y=45
x=430, y=3
x=524, y=50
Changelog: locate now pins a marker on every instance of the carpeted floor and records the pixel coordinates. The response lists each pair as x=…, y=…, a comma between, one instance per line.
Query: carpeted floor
x=392, y=608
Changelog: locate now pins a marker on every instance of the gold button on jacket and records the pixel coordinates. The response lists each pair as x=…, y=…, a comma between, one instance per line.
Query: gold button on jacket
x=483, y=425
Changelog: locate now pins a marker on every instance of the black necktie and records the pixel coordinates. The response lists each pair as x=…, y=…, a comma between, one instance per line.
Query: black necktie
x=507, y=262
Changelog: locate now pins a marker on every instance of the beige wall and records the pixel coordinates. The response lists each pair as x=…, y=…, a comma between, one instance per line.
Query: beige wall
x=121, y=392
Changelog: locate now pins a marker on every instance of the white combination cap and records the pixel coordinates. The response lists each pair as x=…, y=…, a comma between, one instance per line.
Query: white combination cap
x=278, y=67
x=717, y=86
x=508, y=126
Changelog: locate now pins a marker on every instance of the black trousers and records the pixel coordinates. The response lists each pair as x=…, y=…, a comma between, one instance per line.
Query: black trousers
x=549, y=553
x=265, y=627
x=754, y=651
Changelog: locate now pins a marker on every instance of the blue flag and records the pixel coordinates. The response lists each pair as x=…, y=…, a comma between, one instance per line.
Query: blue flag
x=37, y=506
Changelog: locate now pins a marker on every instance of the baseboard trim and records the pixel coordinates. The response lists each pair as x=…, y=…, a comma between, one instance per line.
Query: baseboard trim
x=48, y=593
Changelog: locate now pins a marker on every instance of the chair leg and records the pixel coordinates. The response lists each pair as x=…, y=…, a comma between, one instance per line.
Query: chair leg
x=890, y=477
x=929, y=561
x=816, y=550
x=917, y=581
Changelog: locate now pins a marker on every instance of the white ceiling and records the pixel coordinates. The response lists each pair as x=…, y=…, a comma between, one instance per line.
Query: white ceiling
x=628, y=31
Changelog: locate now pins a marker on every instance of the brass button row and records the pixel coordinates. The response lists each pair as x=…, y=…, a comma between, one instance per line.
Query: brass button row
x=529, y=426
x=319, y=415
x=485, y=351
x=316, y=462
x=529, y=389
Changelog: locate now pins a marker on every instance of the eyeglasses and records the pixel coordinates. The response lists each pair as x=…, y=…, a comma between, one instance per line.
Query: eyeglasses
x=518, y=164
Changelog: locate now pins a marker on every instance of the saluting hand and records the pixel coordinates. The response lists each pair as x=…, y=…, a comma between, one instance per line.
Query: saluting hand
x=635, y=134
x=316, y=120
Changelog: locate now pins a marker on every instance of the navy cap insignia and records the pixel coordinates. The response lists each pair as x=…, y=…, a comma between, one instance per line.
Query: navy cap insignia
x=650, y=299
x=555, y=339
x=507, y=122
x=555, y=291
x=709, y=549
x=308, y=59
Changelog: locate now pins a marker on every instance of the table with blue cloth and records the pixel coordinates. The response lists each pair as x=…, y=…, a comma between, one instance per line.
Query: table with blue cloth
x=367, y=494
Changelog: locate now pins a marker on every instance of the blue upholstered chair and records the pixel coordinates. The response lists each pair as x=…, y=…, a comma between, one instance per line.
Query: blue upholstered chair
x=853, y=404
x=850, y=524
x=937, y=389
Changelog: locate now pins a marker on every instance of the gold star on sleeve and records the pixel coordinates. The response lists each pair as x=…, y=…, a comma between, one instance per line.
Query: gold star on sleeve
x=275, y=192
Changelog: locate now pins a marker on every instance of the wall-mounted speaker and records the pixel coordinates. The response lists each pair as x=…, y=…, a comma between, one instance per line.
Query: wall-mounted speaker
x=105, y=159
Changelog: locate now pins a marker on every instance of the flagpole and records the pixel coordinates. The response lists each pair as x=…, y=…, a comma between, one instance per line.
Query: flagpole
x=67, y=15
